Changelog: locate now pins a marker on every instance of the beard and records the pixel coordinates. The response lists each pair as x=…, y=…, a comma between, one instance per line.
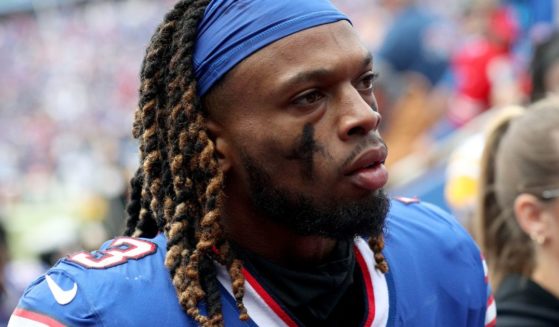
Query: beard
x=336, y=219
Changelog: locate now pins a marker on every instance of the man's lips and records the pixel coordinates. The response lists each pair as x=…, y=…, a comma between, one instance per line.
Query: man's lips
x=367, y=170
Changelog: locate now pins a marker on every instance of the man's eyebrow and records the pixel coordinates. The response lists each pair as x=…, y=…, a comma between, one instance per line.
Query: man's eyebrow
x=368, y=59
x=319, y=74
x=307, y=76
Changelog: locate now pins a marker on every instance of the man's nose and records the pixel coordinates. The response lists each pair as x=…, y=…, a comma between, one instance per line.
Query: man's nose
x=358, y=116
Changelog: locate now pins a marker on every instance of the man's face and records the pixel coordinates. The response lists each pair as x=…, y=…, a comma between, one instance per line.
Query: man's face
x=298, y=131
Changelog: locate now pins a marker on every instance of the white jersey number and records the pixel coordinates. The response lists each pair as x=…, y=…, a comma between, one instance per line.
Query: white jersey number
x=119, y=251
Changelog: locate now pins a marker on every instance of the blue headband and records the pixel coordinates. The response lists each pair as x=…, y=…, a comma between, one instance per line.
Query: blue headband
x=232, y=30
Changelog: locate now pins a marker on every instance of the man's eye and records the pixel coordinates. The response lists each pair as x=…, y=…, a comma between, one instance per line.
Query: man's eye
x=308, y=98
x=367, y=82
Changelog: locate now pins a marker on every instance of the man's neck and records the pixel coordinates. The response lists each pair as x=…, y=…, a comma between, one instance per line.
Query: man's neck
x=274, y=242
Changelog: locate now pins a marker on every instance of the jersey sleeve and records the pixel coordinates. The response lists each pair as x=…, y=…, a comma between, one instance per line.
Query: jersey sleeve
x=54, y=299
x=124, y=283
x=436, y=269
x=490, y=309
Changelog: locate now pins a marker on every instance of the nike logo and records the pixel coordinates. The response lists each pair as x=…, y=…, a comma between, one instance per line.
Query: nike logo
x=61, y=296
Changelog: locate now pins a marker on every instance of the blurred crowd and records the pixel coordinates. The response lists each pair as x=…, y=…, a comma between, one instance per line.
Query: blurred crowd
x=68, y=88
x=69, y=80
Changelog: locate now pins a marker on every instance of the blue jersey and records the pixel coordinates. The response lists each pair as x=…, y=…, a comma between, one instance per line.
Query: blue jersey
x=437, y=275
x=436, y=278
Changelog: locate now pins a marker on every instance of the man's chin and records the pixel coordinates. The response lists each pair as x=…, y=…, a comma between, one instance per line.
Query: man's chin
x=308, y=216
x=341, y=221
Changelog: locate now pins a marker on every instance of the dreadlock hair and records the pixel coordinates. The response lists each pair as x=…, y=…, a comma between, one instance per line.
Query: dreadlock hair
x=520, y=156
x=178, y=188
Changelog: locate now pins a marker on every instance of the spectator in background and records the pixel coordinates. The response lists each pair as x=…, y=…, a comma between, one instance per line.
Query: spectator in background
x=415, y=41
x=483, y=67
x=463, y=166
x=11, y=278
x=7, y=303
x=413, y=60
x=545, y=68
x=518, y=216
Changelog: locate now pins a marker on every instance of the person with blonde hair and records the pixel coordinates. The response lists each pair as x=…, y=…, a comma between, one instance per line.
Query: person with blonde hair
x=518, y=215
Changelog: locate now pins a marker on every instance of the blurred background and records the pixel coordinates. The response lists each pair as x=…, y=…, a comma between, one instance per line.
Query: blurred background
x=68, y=90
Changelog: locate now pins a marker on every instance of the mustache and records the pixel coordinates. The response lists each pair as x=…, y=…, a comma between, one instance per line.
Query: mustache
x=374, y=140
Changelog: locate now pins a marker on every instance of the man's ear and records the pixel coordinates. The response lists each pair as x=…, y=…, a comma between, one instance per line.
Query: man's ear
x=222, y=149
x=530, y=215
